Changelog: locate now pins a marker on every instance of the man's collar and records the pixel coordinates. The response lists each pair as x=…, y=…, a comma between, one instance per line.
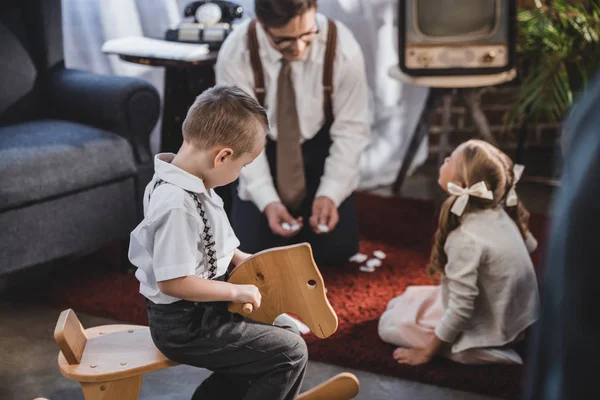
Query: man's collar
x=176, y=176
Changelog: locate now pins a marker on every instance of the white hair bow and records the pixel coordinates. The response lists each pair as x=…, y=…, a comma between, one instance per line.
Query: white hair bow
x=478, y=190
x=512, y=199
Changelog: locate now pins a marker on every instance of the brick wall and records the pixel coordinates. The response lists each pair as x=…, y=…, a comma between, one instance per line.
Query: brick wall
x=496, y=101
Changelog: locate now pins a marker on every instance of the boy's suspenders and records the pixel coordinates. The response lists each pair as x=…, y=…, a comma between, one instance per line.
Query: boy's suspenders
x=259, y=80
x=208, y=239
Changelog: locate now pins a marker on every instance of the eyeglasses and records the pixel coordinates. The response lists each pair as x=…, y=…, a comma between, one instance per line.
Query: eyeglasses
x=284, y=43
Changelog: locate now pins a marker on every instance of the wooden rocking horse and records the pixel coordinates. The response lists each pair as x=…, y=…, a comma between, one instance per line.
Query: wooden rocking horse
x=109, y=361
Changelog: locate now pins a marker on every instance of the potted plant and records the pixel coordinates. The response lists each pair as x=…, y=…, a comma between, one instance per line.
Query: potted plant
x=559, y=52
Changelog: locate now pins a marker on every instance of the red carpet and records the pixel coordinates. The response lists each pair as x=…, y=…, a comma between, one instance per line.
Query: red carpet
x=402, y=228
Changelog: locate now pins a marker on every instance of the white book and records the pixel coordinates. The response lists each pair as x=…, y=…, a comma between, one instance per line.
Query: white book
x=139, y=46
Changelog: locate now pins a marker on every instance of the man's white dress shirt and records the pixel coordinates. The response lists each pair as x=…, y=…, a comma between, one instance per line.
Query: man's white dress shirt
x=350, y=132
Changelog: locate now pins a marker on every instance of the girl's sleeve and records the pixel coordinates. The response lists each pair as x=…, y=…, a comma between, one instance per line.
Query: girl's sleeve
x=530, y=242
x=464, y=257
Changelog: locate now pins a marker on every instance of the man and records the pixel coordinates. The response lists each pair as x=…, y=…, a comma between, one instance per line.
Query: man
x=308, y=72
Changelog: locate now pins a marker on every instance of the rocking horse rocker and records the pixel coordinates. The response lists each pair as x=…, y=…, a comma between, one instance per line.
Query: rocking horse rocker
x=109, y=361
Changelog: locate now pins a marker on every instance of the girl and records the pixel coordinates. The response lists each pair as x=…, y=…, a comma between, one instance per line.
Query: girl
x=488, y=294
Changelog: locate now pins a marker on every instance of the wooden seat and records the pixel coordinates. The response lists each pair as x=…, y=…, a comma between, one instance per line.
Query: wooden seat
x=108, y=361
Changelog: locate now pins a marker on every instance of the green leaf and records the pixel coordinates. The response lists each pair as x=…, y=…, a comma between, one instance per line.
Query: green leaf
x=559, y=47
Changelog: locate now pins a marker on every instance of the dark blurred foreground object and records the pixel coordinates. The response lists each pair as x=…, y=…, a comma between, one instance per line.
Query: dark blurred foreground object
x=566, y=349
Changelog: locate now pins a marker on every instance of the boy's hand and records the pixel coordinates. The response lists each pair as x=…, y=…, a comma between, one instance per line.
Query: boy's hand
x=239, y=257
x=247, y=294
x=325, y=215
x=277, y=215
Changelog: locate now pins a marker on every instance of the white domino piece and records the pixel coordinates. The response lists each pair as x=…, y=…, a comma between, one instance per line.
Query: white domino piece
x=323, y=228
x=374, y=263
x=379, y=254
x=358, y=258
x=286, y=226
x=295, y=227
x=366, y=269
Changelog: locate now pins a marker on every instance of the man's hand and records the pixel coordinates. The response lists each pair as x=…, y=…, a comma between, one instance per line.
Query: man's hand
x=277, y=214
x=324, y=213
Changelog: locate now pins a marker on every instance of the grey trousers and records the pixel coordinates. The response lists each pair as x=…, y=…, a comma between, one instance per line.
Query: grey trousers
x=249, y=360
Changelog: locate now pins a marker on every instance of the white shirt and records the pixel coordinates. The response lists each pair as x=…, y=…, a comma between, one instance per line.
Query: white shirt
x=489, y=286
x=167, y=243
x=350, y=132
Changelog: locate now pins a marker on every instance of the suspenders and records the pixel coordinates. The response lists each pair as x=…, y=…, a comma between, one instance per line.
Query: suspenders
x=259, y=77
x=208, y=239
x=259, y=80
x=328, y=70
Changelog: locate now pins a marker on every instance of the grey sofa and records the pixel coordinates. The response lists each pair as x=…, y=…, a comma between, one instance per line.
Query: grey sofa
x=74, y=147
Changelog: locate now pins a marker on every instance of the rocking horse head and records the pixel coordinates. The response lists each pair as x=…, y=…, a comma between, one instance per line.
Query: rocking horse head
x=289, y=282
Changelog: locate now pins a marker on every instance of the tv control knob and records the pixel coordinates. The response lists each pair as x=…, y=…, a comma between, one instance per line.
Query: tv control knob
x=424, y=59
x=488, y=57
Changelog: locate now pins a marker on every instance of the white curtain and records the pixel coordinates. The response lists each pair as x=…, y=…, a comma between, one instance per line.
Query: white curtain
x=395, y=107
x=87, y=24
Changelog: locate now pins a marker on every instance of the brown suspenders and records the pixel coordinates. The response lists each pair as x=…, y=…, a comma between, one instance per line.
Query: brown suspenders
x=328, y=70
x=259, y=79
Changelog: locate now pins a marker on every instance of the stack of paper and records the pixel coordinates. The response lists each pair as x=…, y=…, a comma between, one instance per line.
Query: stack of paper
x=139, y=46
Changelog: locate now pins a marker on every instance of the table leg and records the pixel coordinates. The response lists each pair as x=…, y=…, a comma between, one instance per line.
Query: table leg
x=473, y=100
x=523, y=133
x=421, y=131
x=182, y=86
x=446, y=126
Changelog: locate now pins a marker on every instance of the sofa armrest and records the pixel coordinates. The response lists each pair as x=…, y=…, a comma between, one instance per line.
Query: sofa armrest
x=126, y=106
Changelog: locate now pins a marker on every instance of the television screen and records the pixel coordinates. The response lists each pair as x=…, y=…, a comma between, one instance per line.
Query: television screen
x=447, y=18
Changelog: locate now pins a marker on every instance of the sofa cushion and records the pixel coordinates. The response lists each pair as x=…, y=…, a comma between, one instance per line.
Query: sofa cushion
x=17, y=72
x=48, y=158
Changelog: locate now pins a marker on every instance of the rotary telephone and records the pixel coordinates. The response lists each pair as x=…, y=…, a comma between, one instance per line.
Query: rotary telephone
x=206, y=22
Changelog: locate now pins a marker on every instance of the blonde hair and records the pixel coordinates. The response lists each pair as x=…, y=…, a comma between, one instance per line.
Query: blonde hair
x=477, y=161
x=225, y=115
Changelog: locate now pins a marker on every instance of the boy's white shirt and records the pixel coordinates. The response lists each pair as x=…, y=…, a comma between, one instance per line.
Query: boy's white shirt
x=489, y=287
x=167, y=243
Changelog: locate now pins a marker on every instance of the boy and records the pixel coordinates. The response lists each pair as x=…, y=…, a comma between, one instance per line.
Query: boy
x=184, y=245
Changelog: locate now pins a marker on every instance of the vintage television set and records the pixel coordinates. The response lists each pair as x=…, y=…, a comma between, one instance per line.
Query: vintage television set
x=455, y=38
